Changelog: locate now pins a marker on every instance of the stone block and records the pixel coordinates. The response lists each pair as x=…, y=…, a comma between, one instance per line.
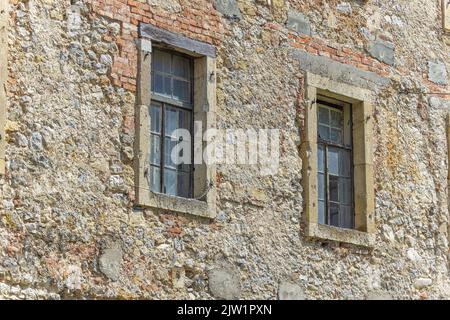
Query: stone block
x=224, y=283
x=290, y=291
x=110, y=263
x=382, y=50
x=228, y=8
x=437, y=72
x=297, y=21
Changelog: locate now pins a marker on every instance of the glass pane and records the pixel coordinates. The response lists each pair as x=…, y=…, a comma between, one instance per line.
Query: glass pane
x=324, y=132
x=169, y=145
x=334, y=214
x=161, y=61
x=181, y=90
x=346, y=217
x=321, y=186
x=345, y=163
x=337, y=120
x=158, y=83
x=324, y=116
x=167, y=86
x=155, y=179
x=320, y=158
x=333, y=161
x=336, y=136
x=333, y=188
x=170, y=182
x=155, y=118
x=183, y=184
x=345, y=191
x=171, y=121
x=155, y=150
x=181, y=67
x=321, y=212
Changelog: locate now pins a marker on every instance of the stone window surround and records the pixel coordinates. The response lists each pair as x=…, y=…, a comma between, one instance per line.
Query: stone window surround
x=363, y=234
x=204, y=111
x=3, y=78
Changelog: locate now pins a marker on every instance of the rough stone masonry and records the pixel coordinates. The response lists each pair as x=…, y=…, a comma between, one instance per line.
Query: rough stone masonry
x=68, y=224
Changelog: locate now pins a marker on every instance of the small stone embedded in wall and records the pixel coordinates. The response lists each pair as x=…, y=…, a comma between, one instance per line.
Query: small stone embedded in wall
x=437, y=72
x=228, y=8
x=290, y=291
x=382, y=51
x=345, y=8
x=224, y=283
x=297, y=21
x=378, y=295
x=73, y=19
x=421, y=283
x=110, y=263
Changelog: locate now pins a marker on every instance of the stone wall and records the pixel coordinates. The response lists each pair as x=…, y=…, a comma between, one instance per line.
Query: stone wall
x=68, y=227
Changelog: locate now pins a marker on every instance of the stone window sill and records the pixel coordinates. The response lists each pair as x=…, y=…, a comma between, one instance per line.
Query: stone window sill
x=177, y=204
x=350, y=236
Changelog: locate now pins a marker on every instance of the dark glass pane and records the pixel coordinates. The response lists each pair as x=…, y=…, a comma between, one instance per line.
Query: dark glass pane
x=155, y=179
x=321, y=212
x=334, y=214
x=155, y=150
x=170, y=182
x=345, y=163
x=337, y=119
x=321, y=186
x=324, y=116
x=333, y=189
x=336, y=136
x=183, y=184
x=324, y=132
x=155, y=118
x=161, y=61
x=171, y=120
x=158, y=83
x=345, y=191
x=181, y=90
x=320, y=158
x=333, y=161
x=346, y=217
x=167, y=86
x=169, y=148
x=184, y=120
x=181, y=67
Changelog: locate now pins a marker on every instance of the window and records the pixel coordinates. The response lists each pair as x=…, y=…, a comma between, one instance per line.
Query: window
x=334, y=164
x=171, y=110
x=176, y=94
x=337, y=156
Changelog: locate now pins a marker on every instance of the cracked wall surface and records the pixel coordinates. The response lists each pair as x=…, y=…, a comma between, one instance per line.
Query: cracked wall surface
x=68, y=224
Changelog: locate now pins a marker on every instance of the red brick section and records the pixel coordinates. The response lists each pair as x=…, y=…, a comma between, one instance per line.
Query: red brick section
x=355, y=58
x=199, y=21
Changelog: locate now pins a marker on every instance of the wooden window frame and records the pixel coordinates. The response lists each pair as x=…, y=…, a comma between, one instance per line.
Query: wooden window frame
x=165, y=103
x=347, y=144
x=362, y=133
x=203, y=203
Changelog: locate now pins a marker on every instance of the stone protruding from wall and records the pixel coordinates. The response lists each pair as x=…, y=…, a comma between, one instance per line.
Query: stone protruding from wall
x=382, y=51
x=437, y=72
x=298, y=22
x=110, y=262
x=228, y=8
x=224, y=283
x=290, y=291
